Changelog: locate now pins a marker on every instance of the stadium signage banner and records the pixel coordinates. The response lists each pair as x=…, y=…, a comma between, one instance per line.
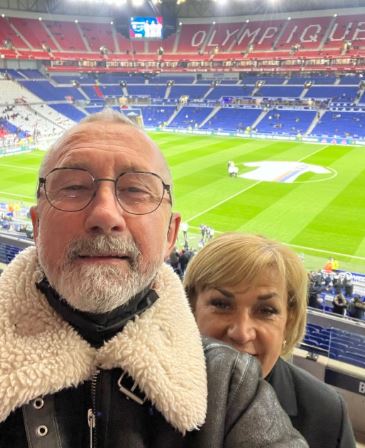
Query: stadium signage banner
x=344, y=381
x=359, y=284
x=16, y=149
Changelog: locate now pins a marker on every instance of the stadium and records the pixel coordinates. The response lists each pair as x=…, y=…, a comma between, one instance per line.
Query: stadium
x=258, y=107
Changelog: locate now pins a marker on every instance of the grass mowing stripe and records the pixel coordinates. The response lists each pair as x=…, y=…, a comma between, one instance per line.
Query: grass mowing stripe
x=229, y=198
x=344, y=233
x=333, y=207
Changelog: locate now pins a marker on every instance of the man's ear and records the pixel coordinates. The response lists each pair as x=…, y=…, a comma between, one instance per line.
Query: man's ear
x=172, y=233
x=35, y=221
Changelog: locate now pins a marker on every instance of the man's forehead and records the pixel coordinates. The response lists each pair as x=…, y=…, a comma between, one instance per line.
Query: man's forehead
x=104, y=136
x=90, y=133
x=110, y=137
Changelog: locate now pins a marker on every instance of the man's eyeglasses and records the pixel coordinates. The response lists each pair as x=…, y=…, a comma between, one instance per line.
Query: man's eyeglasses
x=73, y=189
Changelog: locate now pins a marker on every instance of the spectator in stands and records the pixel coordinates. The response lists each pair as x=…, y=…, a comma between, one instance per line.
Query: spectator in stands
x=337, y=284
x=97, y=342
x=185, y=256
x=339, y=304
x=348, y=285
x=328, y=267
x=356, y=308
x=314, y=291
x=174, y=261
x=251, y=293
x=185, y=230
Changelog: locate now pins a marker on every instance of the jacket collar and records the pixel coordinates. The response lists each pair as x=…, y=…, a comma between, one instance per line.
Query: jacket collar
x=96, y=329
x=281, y=380
x=42, y=354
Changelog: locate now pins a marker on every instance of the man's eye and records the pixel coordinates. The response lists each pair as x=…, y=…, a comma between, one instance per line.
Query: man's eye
x=137, y=190
x=134, y=192
x=75, y=187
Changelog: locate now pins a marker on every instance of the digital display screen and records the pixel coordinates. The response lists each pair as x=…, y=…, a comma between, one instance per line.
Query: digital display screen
x=145, y=28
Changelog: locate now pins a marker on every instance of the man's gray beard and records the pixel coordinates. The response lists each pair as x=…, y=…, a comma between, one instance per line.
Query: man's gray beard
x=100, y=289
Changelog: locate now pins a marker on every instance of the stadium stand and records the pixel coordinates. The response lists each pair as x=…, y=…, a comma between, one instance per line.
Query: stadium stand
x=342, y=124
x=316, y=109
x=156, y=116
x=279, y=92
x=285, y=122
x=340, y=344
x=229, y=91
x=234, y=120
x=190, y=117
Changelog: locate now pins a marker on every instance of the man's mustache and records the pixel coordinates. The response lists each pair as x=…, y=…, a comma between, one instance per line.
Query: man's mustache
x=104, y=245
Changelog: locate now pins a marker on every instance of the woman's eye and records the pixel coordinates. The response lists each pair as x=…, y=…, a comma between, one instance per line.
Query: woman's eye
x=220, y=304
x=269, y=311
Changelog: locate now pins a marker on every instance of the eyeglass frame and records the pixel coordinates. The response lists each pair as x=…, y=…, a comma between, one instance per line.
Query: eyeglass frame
x=42, y=182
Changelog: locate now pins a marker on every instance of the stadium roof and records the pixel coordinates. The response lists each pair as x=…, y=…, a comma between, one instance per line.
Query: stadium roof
x=174, y=8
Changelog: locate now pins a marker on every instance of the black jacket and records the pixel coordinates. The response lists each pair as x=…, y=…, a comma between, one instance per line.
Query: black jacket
x=49, y=376
x=316, y=410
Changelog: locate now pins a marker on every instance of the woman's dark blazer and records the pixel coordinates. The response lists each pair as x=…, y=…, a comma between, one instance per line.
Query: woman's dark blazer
x=316, y=410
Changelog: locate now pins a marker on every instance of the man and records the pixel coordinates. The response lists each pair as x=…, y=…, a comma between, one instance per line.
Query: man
x=185, y=229
x=98, y=347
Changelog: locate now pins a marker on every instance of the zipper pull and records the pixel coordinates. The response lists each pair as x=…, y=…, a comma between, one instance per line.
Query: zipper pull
x=91, y=423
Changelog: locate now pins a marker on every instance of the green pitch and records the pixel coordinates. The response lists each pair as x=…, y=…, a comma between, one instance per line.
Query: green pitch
x=318, y=214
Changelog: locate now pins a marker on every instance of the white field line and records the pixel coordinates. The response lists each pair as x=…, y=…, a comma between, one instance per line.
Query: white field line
x=27, y=168
x=6, y=193
x=245, y=189
x=224, y=200
x=312, y=249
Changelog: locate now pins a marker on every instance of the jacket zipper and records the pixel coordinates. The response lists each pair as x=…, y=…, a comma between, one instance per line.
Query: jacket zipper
x=91, y=412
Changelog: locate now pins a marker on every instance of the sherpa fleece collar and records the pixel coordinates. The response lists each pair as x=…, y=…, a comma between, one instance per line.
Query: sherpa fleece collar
x=42, y=354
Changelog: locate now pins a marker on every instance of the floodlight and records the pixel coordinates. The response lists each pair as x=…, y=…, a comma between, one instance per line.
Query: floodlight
x=40, y=19
x=2, y=15
x=137, y=3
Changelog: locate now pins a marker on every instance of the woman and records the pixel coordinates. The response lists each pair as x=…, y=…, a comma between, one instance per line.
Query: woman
x=251, y=293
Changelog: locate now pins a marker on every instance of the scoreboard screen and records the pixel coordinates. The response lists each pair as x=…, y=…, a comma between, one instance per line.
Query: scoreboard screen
x=145, y=28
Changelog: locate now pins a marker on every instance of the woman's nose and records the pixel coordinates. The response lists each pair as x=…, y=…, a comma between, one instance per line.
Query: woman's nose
x=242, y=329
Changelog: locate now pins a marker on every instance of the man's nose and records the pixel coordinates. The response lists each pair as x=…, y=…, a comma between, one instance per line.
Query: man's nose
x=104, y=213
x=242, y=329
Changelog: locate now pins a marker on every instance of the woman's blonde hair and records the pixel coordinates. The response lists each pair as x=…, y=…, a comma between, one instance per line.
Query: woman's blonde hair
x=234, y=257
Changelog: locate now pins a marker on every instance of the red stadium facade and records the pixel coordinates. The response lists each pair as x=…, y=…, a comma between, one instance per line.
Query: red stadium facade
x=303, y=42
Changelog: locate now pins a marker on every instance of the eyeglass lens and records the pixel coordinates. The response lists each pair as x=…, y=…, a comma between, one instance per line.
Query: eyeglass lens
x=73, y=189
